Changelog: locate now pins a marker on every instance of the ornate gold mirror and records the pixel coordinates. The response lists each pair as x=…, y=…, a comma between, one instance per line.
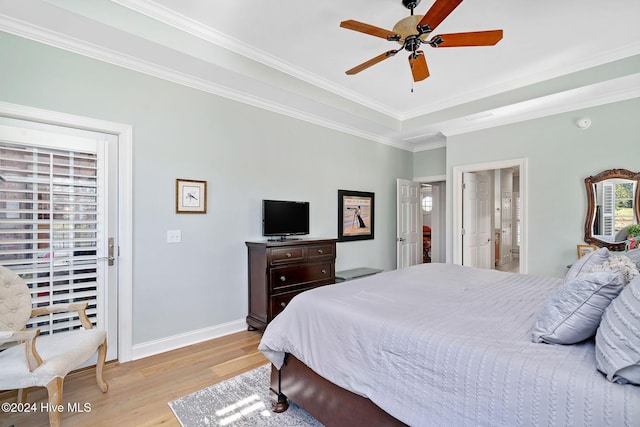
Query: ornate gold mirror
x=613, y=203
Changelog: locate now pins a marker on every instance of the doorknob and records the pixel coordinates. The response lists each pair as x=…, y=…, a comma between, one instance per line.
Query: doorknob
x=400, y=239
x=110, y=256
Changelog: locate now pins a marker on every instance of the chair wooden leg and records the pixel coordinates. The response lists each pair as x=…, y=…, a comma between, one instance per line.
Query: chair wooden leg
x=22, y=395
x=54, y=388
x=102, y=355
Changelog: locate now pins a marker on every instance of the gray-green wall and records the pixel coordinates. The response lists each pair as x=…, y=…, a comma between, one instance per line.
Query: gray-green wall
x=244, y=153
x=560, y=156
x=430, y=163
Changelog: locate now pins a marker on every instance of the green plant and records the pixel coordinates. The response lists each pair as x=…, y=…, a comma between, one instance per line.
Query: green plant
x=634, y=230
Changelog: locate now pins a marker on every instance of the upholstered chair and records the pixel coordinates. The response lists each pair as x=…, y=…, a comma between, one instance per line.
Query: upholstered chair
x=42, y=361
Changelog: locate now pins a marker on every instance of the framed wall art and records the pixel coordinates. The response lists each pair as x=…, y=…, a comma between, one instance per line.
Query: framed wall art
x=355, y=215
x=585, y=249
x=191, y=196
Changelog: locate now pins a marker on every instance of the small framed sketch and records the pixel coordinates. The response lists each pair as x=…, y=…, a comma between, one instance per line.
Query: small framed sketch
x=585, y=249
x=355, y=215
x=191, y=196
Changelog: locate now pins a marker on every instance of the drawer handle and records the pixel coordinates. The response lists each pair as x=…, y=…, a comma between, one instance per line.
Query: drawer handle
x=324, y=271
x=320, y=251
x=288, y=255
x=283, y=304
x=283, y=279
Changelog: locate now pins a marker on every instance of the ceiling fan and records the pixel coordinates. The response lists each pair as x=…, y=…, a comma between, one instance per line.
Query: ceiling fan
x=414, y=30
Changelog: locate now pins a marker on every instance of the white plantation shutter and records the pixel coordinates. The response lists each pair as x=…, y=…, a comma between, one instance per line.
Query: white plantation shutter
x=50, y=227
x=608, y=209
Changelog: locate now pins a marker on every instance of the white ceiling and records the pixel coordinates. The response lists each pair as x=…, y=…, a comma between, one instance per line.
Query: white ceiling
x=290, y=56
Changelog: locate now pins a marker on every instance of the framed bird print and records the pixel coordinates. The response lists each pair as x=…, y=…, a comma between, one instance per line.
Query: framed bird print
x=191, y=196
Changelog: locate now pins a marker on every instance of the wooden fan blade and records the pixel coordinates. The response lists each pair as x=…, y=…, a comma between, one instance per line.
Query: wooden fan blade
x=436, y=14
x=367, y=29
x=371, y=62
x=477, y=38
x=418, y=66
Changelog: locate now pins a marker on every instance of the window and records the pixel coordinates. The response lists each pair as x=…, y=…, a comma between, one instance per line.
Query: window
x=49, y=229
x=427, y=203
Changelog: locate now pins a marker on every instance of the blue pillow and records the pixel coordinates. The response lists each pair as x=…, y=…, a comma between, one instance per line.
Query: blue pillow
x=586, y=263
x=634, y=255
x=618, y=337
x=573, y=313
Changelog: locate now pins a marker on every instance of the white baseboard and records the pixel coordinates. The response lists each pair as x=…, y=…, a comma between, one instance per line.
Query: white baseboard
x=193, y=337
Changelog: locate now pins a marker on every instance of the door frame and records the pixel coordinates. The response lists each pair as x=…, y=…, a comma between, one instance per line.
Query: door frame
x=524, y=206
x=124, y=133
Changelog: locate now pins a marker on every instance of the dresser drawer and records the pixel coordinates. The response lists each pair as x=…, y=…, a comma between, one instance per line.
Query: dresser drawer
x=320, y=251
x=282, y=255
x=280, y=302
x=283, y=278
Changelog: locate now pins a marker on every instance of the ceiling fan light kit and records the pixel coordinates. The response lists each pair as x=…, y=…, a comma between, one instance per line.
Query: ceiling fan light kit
x=413, y=31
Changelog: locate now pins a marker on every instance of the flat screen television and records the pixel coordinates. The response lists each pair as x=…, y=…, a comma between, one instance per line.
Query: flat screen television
x=281, y=218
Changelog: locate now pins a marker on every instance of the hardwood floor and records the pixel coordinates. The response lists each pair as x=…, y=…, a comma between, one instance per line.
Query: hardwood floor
x=140, y=390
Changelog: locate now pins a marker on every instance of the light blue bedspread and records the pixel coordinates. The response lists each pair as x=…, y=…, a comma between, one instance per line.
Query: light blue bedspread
x=445, y=345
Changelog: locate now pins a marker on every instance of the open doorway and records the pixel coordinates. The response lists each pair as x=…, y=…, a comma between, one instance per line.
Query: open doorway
x=489, y=215
x=426, y=198
x=433, y=203
x=507, y=219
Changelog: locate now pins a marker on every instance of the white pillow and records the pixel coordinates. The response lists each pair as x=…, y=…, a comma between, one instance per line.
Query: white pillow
x=620, y=263
x=586, y=263
x=573, y=313
x=618, y=337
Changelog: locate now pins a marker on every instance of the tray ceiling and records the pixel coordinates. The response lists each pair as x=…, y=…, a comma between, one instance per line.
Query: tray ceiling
x=290, y=56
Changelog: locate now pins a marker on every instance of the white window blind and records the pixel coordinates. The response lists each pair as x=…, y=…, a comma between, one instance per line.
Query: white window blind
x=608, y=209
x=49, y=227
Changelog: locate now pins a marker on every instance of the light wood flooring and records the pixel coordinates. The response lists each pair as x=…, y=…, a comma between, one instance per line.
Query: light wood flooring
x=511, y=267
x=140, y=390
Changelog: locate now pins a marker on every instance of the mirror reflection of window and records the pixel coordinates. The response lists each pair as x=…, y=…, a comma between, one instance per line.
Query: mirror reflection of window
x=614, y=207
x=623, y=205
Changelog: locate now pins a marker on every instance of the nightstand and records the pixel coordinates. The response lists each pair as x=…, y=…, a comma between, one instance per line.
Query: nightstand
x=356, y=273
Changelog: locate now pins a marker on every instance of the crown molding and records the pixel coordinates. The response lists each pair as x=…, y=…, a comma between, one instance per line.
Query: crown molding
x=160, y=13
x=81, y=47
x=621, y=52
x=427, y=141
x=190, y=26
x=433, y=136
x=606, y=92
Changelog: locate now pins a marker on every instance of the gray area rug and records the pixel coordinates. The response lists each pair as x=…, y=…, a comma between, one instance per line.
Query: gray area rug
x=243, y=400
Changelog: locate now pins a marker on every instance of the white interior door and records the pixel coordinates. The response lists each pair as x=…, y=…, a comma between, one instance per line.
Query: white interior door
x=409, y=224
x=476, y=220
x=58, y=220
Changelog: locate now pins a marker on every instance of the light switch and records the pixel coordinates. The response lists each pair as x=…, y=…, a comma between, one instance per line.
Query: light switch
x=174, y=236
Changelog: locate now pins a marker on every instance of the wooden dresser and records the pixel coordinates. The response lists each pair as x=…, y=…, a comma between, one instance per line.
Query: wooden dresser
x=280, y=270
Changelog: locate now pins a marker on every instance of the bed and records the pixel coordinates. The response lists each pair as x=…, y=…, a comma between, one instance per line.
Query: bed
x=437, y=344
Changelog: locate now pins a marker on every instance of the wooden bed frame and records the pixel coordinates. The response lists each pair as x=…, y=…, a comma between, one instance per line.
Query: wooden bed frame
x=328, y=403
